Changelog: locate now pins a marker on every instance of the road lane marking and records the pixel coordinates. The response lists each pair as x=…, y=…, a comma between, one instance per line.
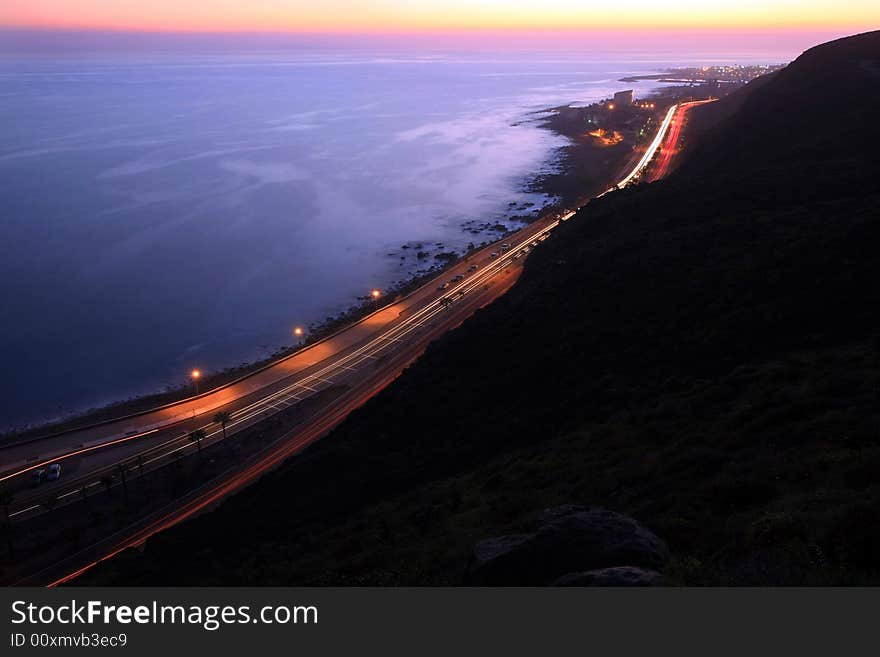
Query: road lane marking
x=373, y=346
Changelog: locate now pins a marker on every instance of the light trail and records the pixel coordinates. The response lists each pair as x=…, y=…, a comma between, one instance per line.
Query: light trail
x=672, y=137
x=652, y=149
x=258, y=408
x=78, y=452
x=323, y=376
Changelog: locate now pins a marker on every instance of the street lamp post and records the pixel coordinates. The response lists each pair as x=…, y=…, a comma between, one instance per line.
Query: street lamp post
x=375, y=294
x=298, y=334
x=196, y=375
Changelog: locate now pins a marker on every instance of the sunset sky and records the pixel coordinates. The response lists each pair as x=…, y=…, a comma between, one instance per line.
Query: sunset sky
x=438, y=15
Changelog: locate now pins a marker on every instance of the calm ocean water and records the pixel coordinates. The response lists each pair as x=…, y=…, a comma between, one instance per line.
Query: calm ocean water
x=161, y=212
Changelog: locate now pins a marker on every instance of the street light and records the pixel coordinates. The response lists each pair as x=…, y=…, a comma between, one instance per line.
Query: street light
x=375, y=294
x=196, y=375
x=298, y=334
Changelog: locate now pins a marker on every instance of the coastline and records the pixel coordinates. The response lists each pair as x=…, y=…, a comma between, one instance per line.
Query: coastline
x=579, y=170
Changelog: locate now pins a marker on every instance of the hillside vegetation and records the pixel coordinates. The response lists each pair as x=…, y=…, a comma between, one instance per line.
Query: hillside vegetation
x=699, y=353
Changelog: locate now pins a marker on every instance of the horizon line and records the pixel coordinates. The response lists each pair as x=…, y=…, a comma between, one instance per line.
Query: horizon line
x=451, y=31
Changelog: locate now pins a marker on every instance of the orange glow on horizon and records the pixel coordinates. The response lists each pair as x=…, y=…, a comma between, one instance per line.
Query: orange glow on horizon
x=416, y=16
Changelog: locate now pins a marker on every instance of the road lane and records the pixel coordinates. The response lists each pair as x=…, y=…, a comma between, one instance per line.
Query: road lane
x=649, y=153
x=672, y=138
x=286, y=381
x=158, y=445
x=17, y=458
x=399, y=332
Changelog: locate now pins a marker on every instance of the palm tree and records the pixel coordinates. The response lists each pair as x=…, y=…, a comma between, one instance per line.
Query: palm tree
x=197, y=436
x=122, y=469
x=6, y=499
x=222, y=418
x=107, y=480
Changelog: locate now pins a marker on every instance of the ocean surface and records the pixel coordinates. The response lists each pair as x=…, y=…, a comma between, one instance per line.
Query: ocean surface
x=160, y=212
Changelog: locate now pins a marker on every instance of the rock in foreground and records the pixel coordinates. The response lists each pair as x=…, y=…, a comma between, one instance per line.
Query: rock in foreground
x=616, y=576
x=572, y=541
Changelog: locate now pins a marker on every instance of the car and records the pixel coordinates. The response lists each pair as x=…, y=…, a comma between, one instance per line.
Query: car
x=504, y=247
x=38, y=475
x=473, y=268
x=458, y=278
x=54, y=473
x=494, y=254
x=443, y=286
x=535, y=243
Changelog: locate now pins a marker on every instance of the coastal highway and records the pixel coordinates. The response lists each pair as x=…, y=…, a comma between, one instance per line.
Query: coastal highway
x=670, y=138
x=358, y=361
x=643, y=163
x=150, y=439
x=364, y=369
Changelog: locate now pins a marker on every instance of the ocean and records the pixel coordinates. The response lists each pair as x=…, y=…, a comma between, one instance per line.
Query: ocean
x=165, y=211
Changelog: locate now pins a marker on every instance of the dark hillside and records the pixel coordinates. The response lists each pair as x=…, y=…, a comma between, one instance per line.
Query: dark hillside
x=701, y=353
x=709, y=116
x=814, y=116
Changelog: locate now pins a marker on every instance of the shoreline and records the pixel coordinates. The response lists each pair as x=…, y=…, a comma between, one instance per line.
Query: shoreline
x=579, y=170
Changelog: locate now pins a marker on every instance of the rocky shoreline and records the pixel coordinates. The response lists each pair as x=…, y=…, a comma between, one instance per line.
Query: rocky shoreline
x=581, y=169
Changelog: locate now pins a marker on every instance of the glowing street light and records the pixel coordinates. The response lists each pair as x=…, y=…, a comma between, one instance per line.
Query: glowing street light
x=196, y=375
x=298, y=333
x=375, y=294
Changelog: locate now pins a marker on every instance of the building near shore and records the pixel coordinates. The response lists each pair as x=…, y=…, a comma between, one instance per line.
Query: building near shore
x=623, y=98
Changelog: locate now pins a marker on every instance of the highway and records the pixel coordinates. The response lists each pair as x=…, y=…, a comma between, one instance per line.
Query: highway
x=642, y=165
x=353, y=364
x=676, y=117
x=313, y=369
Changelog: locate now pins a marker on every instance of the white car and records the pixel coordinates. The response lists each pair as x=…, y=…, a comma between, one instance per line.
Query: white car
x=54, y=472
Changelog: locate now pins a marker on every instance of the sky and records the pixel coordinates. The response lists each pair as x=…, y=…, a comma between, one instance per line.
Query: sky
x=362, y=16
x=777, y=28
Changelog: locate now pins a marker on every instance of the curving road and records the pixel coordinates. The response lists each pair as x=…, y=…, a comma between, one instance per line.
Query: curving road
x=677, y=114
x=359, y=360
